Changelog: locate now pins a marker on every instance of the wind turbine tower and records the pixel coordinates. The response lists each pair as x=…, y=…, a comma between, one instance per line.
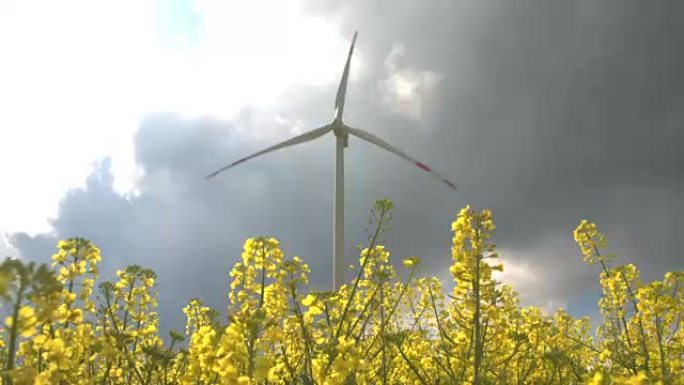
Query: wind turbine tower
x=341, y=132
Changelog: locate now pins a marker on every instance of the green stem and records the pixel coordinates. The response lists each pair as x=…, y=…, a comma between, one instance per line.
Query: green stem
x=476, y=318
x=13, y=331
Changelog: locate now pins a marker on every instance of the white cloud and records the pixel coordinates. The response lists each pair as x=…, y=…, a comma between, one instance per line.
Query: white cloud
x=529, y=280
x=293, y=126
x=406, y=90
x=78, y=75
x=518, y=273
x=6, y=249
x=533, y=283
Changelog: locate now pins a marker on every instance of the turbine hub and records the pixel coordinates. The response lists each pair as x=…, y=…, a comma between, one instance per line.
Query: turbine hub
x=340, y=131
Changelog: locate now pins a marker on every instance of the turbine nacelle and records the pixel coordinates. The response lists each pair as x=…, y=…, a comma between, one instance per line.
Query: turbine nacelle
x=340, y=130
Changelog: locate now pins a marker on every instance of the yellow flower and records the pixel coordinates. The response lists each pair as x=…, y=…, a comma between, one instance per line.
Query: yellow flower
x=410, y=262
x=309, y=300
x=378, y=329
x=27, y=321
x=597, y=379
x=54, y=346
x=639, y=379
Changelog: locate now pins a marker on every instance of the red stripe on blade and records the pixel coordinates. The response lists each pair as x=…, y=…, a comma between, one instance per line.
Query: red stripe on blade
x=424, y=167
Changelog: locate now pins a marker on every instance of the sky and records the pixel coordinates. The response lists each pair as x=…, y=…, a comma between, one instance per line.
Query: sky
x=547, y=112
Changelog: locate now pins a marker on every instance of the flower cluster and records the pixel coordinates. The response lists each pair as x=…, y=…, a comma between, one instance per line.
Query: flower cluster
x=388, y=325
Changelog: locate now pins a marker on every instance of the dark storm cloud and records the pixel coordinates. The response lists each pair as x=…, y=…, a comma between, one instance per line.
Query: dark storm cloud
x=545, y=111
x=548, y=112
x=190, y=231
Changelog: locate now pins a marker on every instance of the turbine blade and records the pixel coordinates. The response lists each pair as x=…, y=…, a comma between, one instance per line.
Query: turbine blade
x=305, y=137
x=386, y=146
x=342, y=90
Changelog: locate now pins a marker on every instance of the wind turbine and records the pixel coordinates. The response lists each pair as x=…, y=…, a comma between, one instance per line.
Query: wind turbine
x=342, y=132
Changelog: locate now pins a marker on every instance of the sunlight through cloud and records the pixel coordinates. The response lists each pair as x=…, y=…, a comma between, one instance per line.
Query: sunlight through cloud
x=82, y=74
